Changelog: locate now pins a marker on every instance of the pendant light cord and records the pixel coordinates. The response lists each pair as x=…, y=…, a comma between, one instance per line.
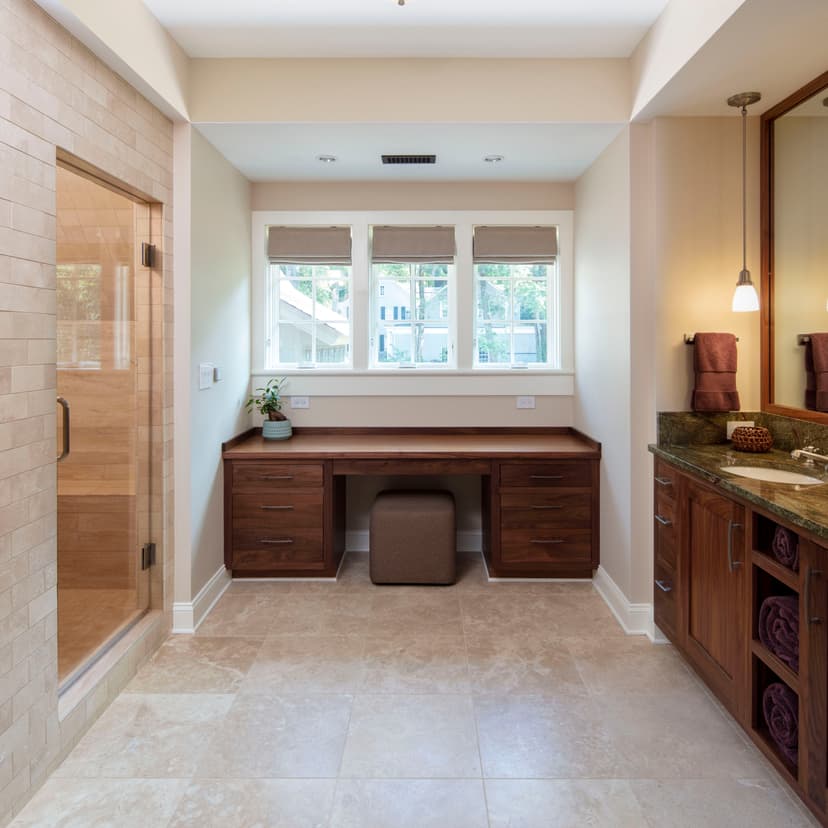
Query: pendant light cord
x=744, y=188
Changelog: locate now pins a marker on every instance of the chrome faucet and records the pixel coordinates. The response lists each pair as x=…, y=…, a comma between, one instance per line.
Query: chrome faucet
x=809, y=453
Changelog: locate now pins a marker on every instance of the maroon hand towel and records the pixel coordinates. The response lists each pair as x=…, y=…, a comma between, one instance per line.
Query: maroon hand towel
x=714, y=357
x=816, y=372
x=781, y=708
x=779, y=628
x=785, y=548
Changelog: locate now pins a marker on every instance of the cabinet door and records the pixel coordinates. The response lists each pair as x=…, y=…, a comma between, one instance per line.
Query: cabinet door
x=714, y=594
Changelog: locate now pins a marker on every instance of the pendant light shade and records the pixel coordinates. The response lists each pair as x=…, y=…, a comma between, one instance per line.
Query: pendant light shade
x=745, y=297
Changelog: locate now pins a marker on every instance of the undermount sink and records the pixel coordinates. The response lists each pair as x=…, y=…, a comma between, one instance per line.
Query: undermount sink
x=772, y=475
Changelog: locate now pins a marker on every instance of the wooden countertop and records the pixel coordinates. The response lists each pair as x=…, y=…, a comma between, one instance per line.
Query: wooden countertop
x=427, y=443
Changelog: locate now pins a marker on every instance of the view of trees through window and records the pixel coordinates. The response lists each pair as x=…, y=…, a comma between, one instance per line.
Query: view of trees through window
x=79, y=315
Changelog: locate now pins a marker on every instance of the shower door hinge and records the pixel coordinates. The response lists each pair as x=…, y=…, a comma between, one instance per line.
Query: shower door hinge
x=147, y=555
x=147, y=255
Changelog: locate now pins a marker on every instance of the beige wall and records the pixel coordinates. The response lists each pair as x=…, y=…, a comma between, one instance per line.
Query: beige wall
x=602, y=340
x=220, y=333
x=53, y=94
x=448, y=195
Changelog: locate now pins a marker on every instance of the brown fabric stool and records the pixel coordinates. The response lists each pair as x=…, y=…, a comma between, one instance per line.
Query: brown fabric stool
x=412, y=538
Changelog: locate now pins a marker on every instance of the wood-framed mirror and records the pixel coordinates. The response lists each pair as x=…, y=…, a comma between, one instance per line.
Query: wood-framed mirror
x=794, y=216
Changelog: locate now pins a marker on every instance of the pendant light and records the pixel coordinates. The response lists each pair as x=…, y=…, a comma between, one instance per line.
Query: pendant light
x=745, y=297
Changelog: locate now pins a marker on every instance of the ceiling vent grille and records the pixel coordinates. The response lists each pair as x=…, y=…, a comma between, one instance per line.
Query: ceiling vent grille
x=409, y=159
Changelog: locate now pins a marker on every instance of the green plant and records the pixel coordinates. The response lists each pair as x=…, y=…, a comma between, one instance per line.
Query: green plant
x=269, y=400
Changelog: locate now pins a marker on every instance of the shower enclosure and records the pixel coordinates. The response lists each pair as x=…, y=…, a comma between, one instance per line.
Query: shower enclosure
x=105, y=416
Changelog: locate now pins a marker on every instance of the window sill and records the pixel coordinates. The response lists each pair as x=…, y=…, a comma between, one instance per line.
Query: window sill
x=419, y=382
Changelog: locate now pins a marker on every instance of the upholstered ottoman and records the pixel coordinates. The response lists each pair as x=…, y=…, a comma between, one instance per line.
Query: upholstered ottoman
x=412, y=538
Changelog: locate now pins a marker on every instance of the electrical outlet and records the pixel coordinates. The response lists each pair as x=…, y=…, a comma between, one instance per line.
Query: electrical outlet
x=525, y=402
x=300, y=402
x=731, y=424
x=205, y=375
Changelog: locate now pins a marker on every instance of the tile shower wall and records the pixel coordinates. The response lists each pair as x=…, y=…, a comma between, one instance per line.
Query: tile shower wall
x=56, y=95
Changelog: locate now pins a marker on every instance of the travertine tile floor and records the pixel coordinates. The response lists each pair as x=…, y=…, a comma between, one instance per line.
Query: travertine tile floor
x=348, y=705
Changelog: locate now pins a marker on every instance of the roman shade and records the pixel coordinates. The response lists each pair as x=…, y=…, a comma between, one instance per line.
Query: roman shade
x=413, y=244
x=309, y=245
x=530, y=245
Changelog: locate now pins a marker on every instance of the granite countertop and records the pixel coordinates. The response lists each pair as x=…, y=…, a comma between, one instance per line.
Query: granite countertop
x=803, y=506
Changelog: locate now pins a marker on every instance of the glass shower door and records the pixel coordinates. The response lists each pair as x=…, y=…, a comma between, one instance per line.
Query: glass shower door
x=103, y=424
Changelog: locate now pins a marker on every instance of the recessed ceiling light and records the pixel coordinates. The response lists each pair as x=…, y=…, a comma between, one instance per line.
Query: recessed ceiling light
x=326, y=159
x=492, y=159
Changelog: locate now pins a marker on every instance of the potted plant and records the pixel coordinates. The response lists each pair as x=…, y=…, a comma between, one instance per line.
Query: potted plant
x=268, y=401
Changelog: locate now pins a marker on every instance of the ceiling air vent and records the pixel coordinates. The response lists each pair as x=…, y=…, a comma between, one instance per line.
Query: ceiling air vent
x=409, y=159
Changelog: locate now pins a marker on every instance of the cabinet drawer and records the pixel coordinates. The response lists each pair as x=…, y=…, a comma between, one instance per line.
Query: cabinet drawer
x=250, y=477
x=665, y=480
x=665, y=603
x=282, y=508
x=261, y=550
x=554, y=473
x=543, y=508
x=544, y=545
x=666, y=533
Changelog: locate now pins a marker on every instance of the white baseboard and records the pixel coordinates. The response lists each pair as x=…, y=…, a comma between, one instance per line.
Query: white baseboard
x=357, y=541
x=635, y=619
x=188, y=615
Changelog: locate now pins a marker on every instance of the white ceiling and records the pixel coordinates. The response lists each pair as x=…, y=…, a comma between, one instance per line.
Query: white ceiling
x=421, y=28
x=532, y=152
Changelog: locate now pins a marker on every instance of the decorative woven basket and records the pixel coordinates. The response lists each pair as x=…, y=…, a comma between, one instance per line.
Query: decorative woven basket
x=750, y=438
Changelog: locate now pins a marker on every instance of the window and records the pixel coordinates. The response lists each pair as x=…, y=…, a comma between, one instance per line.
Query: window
x=308, y=288
x=516, y=290
x=414, y=268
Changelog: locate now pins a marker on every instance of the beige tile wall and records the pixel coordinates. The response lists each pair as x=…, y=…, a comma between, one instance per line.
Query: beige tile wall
x=56, y=95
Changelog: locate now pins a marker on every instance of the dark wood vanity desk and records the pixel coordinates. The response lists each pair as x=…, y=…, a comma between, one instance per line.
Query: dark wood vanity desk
x=285, y=510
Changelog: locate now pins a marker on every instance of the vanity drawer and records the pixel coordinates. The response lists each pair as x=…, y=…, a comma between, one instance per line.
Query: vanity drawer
x=250, y=477
x=282, y=508
x=573, y=473
x=665, y=603
x=665, y=480
x=545, y=508
x=262, y=550
x=540, y=545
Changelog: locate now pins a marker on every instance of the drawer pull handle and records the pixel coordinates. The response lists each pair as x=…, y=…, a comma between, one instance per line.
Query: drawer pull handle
x=812, y=619
x=664, y=481
x=731, y=564
x=663, y=520
x=276, y=508
x=546, y=507
x=663, y=586
x=544, y=540
x=277, y=477
x=276, y=541
x=546, y=476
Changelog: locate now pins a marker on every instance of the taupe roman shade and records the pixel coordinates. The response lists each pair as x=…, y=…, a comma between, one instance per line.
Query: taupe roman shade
x=309, y=245
x=530, y=245
x=413, y=244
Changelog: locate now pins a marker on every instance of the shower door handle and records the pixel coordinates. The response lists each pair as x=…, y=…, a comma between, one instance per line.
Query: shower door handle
x=67, y=427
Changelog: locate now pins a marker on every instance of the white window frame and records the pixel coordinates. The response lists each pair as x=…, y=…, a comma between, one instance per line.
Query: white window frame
x=464, y=379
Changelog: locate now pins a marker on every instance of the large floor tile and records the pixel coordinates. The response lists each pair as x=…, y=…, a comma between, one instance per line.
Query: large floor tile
x=268, y=736
x=102, y=803
x=520, y=665
x=248, y=803
x=426, y=610
x=420, y=663
x=411, y=737
x=409, y=803
x=718, y=803
x=542, y=803
x=676, y=734
x=241, y=616
x=535, y=737
x=148, y=735
x=192, y=664
x=307, y=664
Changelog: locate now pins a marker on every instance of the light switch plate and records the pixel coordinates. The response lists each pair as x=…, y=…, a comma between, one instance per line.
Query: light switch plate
x=300, y=402
x=205, y=375
x=525, y=402
x=732, y=424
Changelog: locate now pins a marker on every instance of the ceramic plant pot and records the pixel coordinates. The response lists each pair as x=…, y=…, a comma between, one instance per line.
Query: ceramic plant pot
x=276, y=429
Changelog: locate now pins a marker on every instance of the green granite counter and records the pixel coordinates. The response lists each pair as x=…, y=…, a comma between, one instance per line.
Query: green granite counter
x=802, y=506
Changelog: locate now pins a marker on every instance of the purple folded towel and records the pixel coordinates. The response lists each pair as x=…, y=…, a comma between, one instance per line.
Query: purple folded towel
x=779, y=628
x=781, y=708
x=785, y=548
